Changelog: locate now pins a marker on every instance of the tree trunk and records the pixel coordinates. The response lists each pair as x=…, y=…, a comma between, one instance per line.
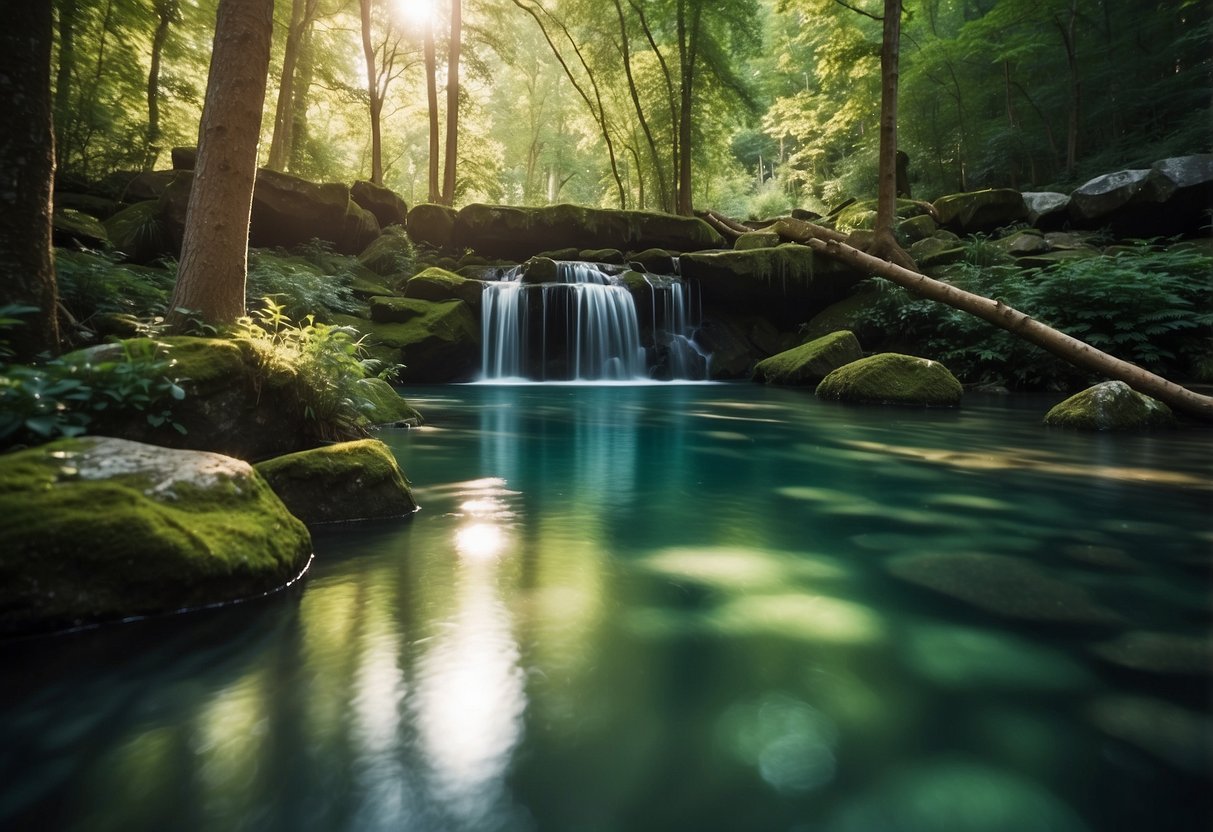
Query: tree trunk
x=373, y=93
x=1065, y=347
x=1068, y=39
x=63, y=78
x=297, y=136
x=688, y=44
x=214, y=253
x=27, y=170
x=166, y=12
x=452, y=104
x=672, y=100
x=303, y=12
x=640, y=117
x=431, y=92
x=884, y=240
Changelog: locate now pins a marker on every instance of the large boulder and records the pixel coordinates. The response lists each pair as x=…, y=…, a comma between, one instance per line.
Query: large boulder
x=516, y=233
x=346, y=481
x=73, y=229
x=1171, y=197
x=439, y=285
x=1112, y=405
x=1047, y=210
x=892, y=378
x=432, y=225
x=98, y=529
x=980, y=210
x=437, y=342
x=96, y=206
x=809, y=363
x=787, y=284
x=384, y=203
x=390, y=253
x=384, y=407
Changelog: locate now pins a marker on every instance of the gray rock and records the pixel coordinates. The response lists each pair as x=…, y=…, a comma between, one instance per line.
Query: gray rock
x=1047, y=210
x=1112, y=405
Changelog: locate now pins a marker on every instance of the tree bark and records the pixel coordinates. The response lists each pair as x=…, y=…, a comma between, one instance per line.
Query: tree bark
x=1065, y=347
x=27, y=170
x=452, y=104
x=688, y=44
x=166, y=13
x=297, y=136
x=214, y=252
x=63, y=78
x=303, y=12
x=431, y=92
x=640, y=117
x=884, y=241
x=373, y=92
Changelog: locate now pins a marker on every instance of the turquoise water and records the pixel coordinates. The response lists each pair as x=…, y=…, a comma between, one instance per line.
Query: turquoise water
x=696, y=607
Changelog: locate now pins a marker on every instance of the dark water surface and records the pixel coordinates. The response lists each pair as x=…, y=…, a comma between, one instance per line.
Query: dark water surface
x=699, y=607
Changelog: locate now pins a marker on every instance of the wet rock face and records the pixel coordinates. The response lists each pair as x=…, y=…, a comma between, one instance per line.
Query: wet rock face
x=96, y=529
x=1170, y=197
x=1112, y=405
x=892, y=378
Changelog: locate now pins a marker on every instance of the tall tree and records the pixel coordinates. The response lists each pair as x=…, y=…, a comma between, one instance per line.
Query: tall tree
x=303, y=16
x=167, y=13
x=214, y=252
x=27, y=168
x=688, y=49
x=452, y=103
x=884, y=241
x=383, y=65
x=431, y=94
x=64, y=75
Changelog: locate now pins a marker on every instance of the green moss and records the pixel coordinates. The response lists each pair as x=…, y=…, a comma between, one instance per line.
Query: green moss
x=1112, y=405
x=892, y=378
x=756, y=239
x=437, y=284
x=809, y=363
x=981, y=210
x=348, y=481
x=388, y=255
x=74, y=226
x=384, y=404
x=861, y=215
x=843, y=315
x=431, y=225
x=98, y=528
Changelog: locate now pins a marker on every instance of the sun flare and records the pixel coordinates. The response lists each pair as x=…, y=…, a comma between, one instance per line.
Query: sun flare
x=416, y=12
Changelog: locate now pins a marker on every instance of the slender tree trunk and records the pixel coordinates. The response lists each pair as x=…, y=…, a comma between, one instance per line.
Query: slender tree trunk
x=1065, y=347
x=672, y=99
x=27, y=171
x=297, y=136
x=1068, y=39
x=658, y=168
x=214, y=253
x=63, y=78
x=431, y=93
x=303, y=12
x=452, y=104
x=89, y=129
x=688, y=44
x=166, y=12
x=373, y=93
x=884, y=243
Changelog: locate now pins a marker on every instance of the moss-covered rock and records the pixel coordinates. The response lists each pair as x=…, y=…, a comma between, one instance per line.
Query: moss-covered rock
x=655, y=260
x=845, y=314
x=980, y=210
x=756, y=239
x=390, y=253
x=517, y=233
x=1052, y=258
x=786, y=284
x=917, y=228
x=609, y=256
x=540, y=270
x=1155, y=652
x=385, y=407
x=139, y=232
x=439, y=285
x=98, y=529
x=1112, y=405
x=432, y=225
x=892, y=378
x=1022, y=243
x=437, y=342
x=861, y=214
x=94, y=206
x=347, y=481
x=387, y=206
x=72, y=228
x=809, y=363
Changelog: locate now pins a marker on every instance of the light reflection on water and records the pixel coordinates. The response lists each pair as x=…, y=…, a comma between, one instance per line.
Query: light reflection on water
x=674, y=608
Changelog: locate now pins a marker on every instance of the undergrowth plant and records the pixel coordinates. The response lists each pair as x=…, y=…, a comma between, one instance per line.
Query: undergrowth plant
x=1149, y=306
x=323, y=364
x=300, y=286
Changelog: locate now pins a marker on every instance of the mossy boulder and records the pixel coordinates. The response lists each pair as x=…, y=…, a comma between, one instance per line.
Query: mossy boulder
x=861, y=215
x=809, y=363
x=437, y=342
x=384, y=203
x=99, y=529
x=917, y=228
x=1022, y=243
x=440, y=285
x=655, y=260
x=385, y=407
x=389, y=254
x=517, y=233
x=609, y=256
x=140, y=233
x=1112, y=405
x=786, y=284
x=91, y=204
x=756, y=239
x=432, y=225
x=347, y=481
x=71, y=228
x=1047, y=210
x=892, y=378
x=847, y=313
x=540, y=270
x=980, y=210
x=937, y=251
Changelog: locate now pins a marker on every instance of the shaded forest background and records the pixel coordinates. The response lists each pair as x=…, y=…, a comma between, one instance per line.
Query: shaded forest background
x=783, y=98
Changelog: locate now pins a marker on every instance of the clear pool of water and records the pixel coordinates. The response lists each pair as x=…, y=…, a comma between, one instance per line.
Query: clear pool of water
x=689, y=607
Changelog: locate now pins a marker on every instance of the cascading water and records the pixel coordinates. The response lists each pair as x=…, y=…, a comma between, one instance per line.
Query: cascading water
x=583, y=326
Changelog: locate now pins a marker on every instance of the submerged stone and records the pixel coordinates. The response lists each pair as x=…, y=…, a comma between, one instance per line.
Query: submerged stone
x=347, y=481
x=809, y=363
x=1152, y=652
x=1003, y=585
x=892, y=378
x=1112, y=405
x=97, y=529
x=1175, y=735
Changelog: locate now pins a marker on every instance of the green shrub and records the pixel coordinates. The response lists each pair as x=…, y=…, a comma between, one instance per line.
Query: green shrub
x=91, y=283
x=299, y=285
x=1144, y=305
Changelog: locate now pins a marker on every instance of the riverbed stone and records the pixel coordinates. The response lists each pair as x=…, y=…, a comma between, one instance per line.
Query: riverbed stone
x=347, y=481
x=384, y=407
x=387, y=206
x=655, y=260
x=1175, y=735
x=1003, y=585
x=1112, y=405
x=1158, y=652
x=440, y=285
x=892, y=378
x=609, y=256
x=809, y=363
x=540, y=270
x=516, y=233
x=967, y=213
x=98, y=528
x=432, y=225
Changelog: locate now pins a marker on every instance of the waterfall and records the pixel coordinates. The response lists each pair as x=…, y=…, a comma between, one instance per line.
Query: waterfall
x=583, y=326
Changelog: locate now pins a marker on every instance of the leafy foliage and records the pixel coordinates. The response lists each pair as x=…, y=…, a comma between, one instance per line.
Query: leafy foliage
x=92, y=283
x=1145, y=305
x=314, y=282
